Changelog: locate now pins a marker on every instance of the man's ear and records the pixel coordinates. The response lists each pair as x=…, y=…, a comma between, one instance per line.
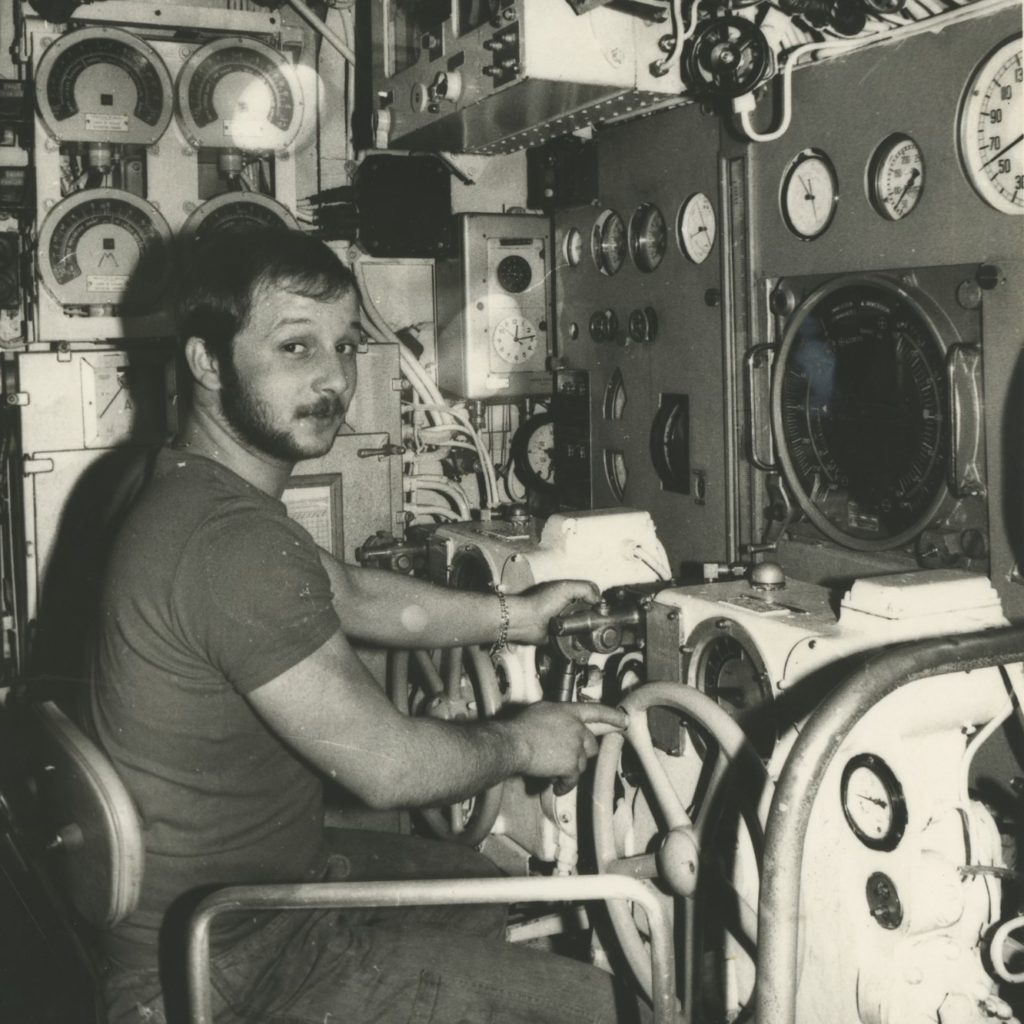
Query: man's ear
x=202, y=364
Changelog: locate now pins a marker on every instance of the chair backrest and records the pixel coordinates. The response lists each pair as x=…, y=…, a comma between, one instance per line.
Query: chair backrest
x=95, y=836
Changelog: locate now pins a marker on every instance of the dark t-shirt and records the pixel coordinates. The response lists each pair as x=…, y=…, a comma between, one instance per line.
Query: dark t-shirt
x=211, y=591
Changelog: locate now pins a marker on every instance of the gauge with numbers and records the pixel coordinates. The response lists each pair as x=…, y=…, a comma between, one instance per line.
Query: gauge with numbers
x=608, y=243
x=991, y=128
x=103, y=84
x=515, y=339
x=873, y=802
x=696, y=228
x=237, y=211
x=533, y=452
x=648, y=237
x=239, y=93
x=896, y=176
x=810, y=192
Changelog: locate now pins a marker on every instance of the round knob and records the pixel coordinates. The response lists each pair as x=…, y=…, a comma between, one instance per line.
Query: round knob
x=767, y=576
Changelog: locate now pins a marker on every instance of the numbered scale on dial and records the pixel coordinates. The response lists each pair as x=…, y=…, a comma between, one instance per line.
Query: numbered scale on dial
x=92, y=244
x=237, y=93
x=237, y=211
x=103, y=85
x=515, y=339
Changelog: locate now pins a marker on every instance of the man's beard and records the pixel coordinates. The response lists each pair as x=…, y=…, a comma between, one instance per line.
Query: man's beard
x=249, y=417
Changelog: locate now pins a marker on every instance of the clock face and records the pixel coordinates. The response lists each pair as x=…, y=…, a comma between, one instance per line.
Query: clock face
x=809, y=194
x=515, y=339
x=696, y=227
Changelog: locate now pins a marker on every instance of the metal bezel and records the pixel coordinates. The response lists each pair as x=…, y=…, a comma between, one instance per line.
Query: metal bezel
x=897, y=801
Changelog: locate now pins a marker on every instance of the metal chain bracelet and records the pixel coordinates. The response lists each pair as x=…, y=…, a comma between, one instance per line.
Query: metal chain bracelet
x=505, y=618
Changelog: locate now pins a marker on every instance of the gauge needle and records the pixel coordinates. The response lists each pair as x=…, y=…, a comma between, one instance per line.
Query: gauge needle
x=1003, y=151
x=808, y=194
x=873, y=800
x=914, y=174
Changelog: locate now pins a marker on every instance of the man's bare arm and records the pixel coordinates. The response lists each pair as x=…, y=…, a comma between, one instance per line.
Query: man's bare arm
x=399, y=611
x=330, y=710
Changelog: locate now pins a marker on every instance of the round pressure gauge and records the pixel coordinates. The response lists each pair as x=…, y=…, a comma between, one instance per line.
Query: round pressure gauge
x=533, y=450
x=92, y=243
x=515, y=339
x=896, y=176
x=614, y=405
x=991, y=116
x=810, y=192
x=237, y=211
x=238, y=93
x=608, y=243
x=572, y=247
x=616, y=473
x=648, y=237
x=873, y=802
x=696, y=227
x=103, y=85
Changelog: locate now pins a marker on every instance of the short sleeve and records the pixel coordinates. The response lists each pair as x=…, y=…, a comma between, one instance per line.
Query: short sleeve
x=260, y=600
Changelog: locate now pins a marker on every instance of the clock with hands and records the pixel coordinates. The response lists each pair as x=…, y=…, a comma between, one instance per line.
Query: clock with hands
x=514, y=339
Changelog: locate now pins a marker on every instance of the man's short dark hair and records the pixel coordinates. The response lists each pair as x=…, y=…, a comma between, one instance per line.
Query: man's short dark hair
x=222, y=273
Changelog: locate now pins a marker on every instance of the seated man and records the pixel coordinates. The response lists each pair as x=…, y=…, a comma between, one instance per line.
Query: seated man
x=225, y=688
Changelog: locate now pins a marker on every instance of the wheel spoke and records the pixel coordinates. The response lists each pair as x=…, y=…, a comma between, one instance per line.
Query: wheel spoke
x=643, y=865
x=664, y=792
x=433, y=684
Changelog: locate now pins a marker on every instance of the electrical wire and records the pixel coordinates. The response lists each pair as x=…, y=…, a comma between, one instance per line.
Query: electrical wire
x=440, y=485
x=682, y=34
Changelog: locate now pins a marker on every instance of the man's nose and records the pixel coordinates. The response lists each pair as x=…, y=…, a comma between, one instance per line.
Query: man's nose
x=336, y=373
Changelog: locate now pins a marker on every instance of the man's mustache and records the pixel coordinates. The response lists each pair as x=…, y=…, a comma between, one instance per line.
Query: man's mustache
x=323, y=408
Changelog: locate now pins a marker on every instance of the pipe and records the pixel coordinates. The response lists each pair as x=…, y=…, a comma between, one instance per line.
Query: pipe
x=882, y=674
x=431, y=893
x=324, y=29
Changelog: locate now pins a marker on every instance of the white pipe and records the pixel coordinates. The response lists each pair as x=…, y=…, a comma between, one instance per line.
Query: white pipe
x=324, y=29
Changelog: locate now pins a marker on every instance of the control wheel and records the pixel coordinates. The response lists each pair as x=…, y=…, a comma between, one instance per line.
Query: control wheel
x=456, y=683
x=660, y=802
x=727, y=57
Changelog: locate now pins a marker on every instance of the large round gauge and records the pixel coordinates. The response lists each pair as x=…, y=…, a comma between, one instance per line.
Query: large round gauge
x=608, y=243
x=858, y=411
x=515, y=339
x=991, y=116
x=572, y=247
x=92, y=243
x=616, y=472
x=810, y=192
x=896, y=176
x=648, y=237
x=696, y=227
x=614, y=404
x=237, y=211
x=533, y=451
x=873, y=802
x=237, y=93
x=103, y=85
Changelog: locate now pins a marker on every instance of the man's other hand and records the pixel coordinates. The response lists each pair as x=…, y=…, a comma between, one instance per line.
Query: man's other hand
x=555, y=741
x=531, y=611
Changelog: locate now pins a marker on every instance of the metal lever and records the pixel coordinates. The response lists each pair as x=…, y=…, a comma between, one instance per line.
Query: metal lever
x=383, y=452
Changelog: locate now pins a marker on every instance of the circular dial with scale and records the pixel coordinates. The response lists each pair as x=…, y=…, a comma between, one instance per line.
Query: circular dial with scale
x=896, y=176
x=991, y=128
x=572, y=247
x=103, y=85
x=858, y=411
x=810, y=192
x=608, y=243
x=237, y=211
x=515, y=339
x=696, y=228
x=873, y=802
x=238, y=93
x=648, y=237
x=533, y=452
x=92, y=243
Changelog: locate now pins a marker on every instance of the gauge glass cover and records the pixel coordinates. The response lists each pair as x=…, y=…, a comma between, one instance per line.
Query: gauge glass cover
x=810, y=192
x=572, y=247
x=648, y=237
x=896, y=177
x=515, y=339
x=614, y=405
x=858, y=408
x=616, y=473
x=696, y=228
x=873, y=802
x=989, y=131
x=609, y=243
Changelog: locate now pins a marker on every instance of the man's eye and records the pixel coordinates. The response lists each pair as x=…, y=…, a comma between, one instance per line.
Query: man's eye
x=293, y=347
x=346, y=348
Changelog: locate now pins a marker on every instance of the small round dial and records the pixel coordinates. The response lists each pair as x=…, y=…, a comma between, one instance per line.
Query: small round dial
x=896, y=176
x=809, y=194
x=648, y=237
x=514, y=274
x=515, y=339
x=533, y=452
x=608, y=243
x=572, y=247
x=696, y=227
x=991, y=140
x=873, y=802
